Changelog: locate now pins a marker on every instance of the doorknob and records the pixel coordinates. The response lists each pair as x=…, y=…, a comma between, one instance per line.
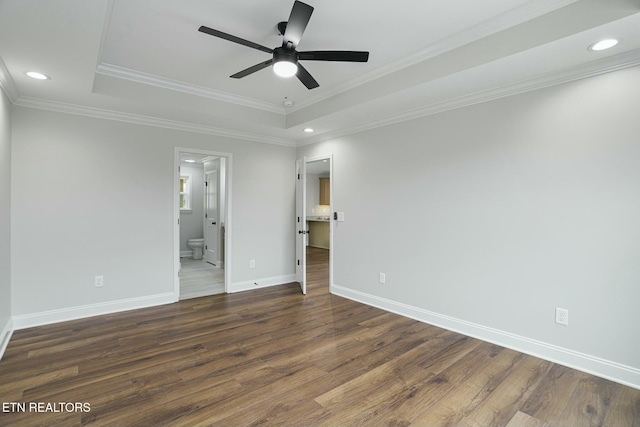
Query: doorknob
x=303, y=232
x=213, y=223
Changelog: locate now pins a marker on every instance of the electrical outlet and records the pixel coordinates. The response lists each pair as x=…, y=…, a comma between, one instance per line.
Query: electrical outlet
x=99, y=281
x=562, y=316
x=382, y=278
x=252, y=263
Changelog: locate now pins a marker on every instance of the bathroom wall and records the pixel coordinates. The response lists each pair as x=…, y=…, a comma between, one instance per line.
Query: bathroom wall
x=192, y=222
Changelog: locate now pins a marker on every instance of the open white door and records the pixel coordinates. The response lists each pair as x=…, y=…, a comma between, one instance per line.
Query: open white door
x=211, y=218
x=301, y=224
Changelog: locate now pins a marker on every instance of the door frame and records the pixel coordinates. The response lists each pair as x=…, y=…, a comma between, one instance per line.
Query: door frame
x=328, y=157
x=176, y=215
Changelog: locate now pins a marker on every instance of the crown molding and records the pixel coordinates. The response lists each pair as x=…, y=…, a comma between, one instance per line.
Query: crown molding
x=528, y=11
x=591, y=69
x=119, y=72
x=511, y=18
x=7, y=84
x=101, y=113
x=178, y=86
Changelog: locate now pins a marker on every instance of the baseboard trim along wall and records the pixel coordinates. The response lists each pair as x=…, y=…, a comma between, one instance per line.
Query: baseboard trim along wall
x=261, y=283
x=73, y=313
x=5, y=336
x=583, y=362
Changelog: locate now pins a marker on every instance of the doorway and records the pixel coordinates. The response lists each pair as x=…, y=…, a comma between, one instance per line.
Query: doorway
x=314, y=201
x=202, y=226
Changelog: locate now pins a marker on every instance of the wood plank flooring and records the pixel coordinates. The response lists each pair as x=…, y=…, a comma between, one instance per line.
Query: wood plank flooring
x=275, y=357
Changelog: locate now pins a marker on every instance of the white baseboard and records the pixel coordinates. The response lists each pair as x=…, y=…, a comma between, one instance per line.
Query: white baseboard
x=73, y=313
x=261, y=283
x=5, y=336
x=613, y=371
x=186, y=254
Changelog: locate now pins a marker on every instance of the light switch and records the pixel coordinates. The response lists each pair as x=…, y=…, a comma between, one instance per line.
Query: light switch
x=340, y=216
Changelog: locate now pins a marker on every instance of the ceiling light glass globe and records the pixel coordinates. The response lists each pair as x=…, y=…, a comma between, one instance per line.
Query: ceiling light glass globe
x=285, y=68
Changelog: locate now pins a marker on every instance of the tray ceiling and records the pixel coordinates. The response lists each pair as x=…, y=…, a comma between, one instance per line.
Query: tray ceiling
x=145, y=61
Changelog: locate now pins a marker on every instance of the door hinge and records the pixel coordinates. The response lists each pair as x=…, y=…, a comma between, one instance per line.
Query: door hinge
x=205, y=215
x=205, y=247
x=298, y=176
x=298, y=219
x=206, y=184
x=298, y=262
x=178, y=221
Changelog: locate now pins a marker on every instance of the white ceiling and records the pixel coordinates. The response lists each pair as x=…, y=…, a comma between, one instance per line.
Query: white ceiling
x=145, y=61
x=318, y=167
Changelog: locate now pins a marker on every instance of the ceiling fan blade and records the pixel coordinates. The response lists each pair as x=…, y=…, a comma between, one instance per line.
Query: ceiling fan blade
x=334, y=55
x=234, y=39
x=251, y=70
x=298, y=20
x=306, y=78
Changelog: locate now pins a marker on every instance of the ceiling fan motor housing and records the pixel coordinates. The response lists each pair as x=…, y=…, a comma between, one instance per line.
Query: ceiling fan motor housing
x=284, y=54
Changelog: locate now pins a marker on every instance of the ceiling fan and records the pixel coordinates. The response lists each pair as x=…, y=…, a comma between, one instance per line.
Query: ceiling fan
x=285, y=58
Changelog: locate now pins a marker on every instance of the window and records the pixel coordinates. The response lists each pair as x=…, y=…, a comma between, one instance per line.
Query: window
x=185, y=193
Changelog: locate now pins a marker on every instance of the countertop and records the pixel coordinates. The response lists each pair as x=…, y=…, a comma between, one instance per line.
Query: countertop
x=318, y=218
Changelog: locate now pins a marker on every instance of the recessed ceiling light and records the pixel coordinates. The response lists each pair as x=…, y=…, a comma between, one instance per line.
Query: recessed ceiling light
x=36, y=75
x=190, y=161
x=308, y=130
x=603, y=44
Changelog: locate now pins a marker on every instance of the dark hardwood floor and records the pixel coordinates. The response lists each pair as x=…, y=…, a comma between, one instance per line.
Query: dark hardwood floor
x=273, y=356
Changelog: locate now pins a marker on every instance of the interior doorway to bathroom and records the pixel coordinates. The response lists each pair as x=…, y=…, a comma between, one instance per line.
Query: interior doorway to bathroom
x=202, y=222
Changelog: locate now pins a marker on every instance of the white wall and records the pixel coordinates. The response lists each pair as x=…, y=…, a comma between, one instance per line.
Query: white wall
x=489, y=217
x=192, y=223
x=5, y=220
x=77, y=211
x=313, y=194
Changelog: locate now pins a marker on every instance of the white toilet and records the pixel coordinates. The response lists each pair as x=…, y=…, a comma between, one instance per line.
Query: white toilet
x=196, y=245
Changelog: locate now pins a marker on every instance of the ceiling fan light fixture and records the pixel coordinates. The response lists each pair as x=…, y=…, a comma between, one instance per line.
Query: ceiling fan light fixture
x=285, y=62
x=285, y=58
x=285, y=68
